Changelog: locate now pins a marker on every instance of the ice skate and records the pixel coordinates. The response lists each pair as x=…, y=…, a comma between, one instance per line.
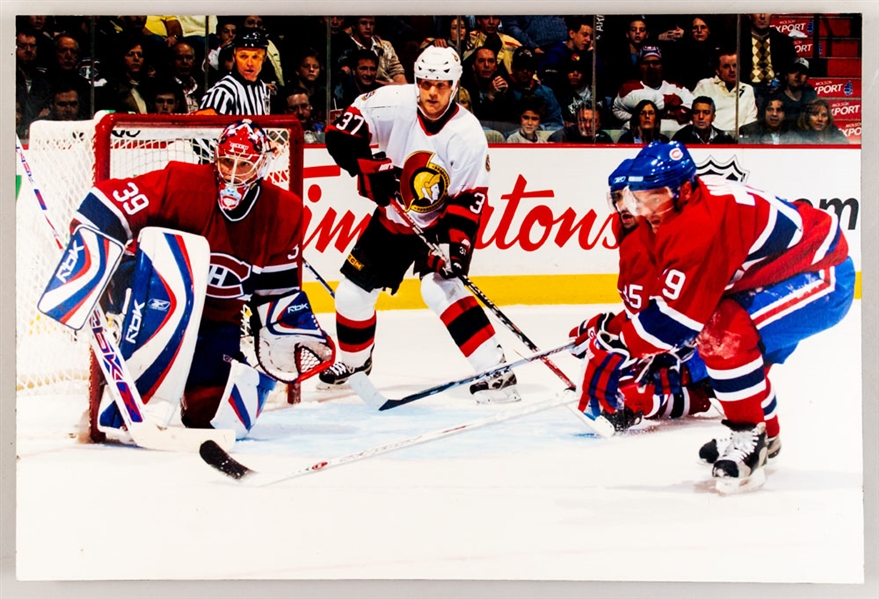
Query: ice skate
x=497, y=388
x=337, y=375
x=624, y=418
x=740, y=467
x=709, y=452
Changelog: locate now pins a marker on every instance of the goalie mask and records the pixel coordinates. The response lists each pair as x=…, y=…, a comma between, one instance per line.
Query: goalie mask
x=241, y=160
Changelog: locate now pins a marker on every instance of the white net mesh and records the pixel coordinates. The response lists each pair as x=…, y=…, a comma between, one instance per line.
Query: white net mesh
x=62, y=157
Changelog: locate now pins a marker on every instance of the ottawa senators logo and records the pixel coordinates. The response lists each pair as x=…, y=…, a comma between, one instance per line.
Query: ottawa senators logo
x=424, y=184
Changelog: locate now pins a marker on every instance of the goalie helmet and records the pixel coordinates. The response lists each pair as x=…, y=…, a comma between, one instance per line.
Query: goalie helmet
x=241, y=160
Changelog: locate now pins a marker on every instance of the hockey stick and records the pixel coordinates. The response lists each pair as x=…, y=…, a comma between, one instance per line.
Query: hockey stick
x=437, y=250
x=119, y=380
x=373, y=397
x=220, y=459
x=319, y=278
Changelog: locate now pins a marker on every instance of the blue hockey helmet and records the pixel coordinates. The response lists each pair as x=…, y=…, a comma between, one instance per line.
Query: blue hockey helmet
x=618, y=179
x=661, y=164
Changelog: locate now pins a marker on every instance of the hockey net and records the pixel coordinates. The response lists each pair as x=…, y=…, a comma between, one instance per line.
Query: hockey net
x=67, y=158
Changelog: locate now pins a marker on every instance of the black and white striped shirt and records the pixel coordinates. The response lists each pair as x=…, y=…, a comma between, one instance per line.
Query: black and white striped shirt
x=235, y=95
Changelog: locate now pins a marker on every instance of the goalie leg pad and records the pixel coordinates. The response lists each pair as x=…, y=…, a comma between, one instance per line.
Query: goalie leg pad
x=242, y=399
x=80, y=278
x=465, y=320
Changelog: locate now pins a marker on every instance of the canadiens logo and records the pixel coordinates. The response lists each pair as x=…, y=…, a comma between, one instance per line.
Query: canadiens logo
x=676, y=154
x=226, y=276
x=728, y=170
x=424, y=184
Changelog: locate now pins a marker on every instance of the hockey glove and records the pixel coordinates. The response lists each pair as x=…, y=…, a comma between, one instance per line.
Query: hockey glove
x=666, y=371
x=606, y=356
x=458, y=252
x=376, y=179
x=582, y=334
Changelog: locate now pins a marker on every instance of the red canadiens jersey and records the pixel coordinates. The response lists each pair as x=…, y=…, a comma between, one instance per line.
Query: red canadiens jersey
x=636, y=268
x=256, y=255
x=728, y=237
x=443, y=165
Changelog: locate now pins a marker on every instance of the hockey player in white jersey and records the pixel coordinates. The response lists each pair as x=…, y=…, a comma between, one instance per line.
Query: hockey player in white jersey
x=432, y=164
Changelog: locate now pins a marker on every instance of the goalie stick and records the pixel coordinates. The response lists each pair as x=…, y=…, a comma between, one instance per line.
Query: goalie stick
x=220, y=459
x=119, y=380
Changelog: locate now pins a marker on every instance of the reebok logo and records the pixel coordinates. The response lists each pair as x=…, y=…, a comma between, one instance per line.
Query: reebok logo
x=69, y=264
x=136, y=320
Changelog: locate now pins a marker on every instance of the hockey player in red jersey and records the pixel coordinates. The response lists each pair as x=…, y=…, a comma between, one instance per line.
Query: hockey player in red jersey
x=667, y=385
x=433, y=165
x=742, y=272
x=254, y=232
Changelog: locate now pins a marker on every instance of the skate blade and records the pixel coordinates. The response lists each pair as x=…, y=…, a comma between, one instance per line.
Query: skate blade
x=322, y=386
x=508, y=395
x=736, y=486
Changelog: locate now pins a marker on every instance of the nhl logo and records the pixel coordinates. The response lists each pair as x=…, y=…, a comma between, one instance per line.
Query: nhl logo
x=728, y=170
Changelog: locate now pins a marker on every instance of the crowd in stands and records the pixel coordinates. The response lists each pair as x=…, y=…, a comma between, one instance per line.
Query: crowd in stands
x=528, y=79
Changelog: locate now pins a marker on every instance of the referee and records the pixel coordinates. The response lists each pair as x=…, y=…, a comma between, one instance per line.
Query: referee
x=241, y=92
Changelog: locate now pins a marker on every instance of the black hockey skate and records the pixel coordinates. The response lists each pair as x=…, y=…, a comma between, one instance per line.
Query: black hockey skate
x=709, y=452
x=624, y=418
x=497, y=388
x=337, y=375
x=740, y=467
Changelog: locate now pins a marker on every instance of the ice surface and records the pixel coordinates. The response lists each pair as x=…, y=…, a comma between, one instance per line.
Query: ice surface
x=534, y=498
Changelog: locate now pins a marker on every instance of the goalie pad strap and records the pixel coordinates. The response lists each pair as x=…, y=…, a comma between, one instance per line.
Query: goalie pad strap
x=81, y=276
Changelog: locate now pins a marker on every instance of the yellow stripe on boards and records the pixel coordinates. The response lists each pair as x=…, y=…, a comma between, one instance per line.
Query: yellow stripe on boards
x=528, y=290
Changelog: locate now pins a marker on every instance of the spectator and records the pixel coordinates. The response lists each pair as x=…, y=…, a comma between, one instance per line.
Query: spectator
x=241, y=92
x=125, y=88
x=770, y=127
x=361, y=81
x=21, y=129
x=184, y=72
x=530, y=114
x=33, y=91
x=45, y=41
x=816, y=124
x=64, y=68
x=672, y=101
x=702, y=131
x=390, y=70
x=296, y=101
x=644, y=125
x=487, y=34
x=576, y=48
x=342, y=48
x=692, y=57
x=166, y=97
x=488, y=91
x=65, y=103
x=731, y=96
x=458, y=39
x=763, y=54
x=523, y=85
x=225, y=63
x=795, y=90
x=576, y=90
x=272, y=71
x=224, y=35
x=622, y=58
x=587, y=130
x=462, y=97
x=115, y=30
x=165, y=26
x=538, y=33
x=309, y=75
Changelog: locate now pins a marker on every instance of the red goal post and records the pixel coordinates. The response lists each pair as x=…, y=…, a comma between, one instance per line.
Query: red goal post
x=67, y=158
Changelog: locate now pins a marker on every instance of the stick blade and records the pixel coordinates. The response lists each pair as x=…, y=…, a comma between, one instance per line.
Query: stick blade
x=364, y=389
x=219, y=459
x=150, y=436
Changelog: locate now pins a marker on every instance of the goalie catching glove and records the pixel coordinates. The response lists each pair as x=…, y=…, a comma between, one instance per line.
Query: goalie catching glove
x=290, y=345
